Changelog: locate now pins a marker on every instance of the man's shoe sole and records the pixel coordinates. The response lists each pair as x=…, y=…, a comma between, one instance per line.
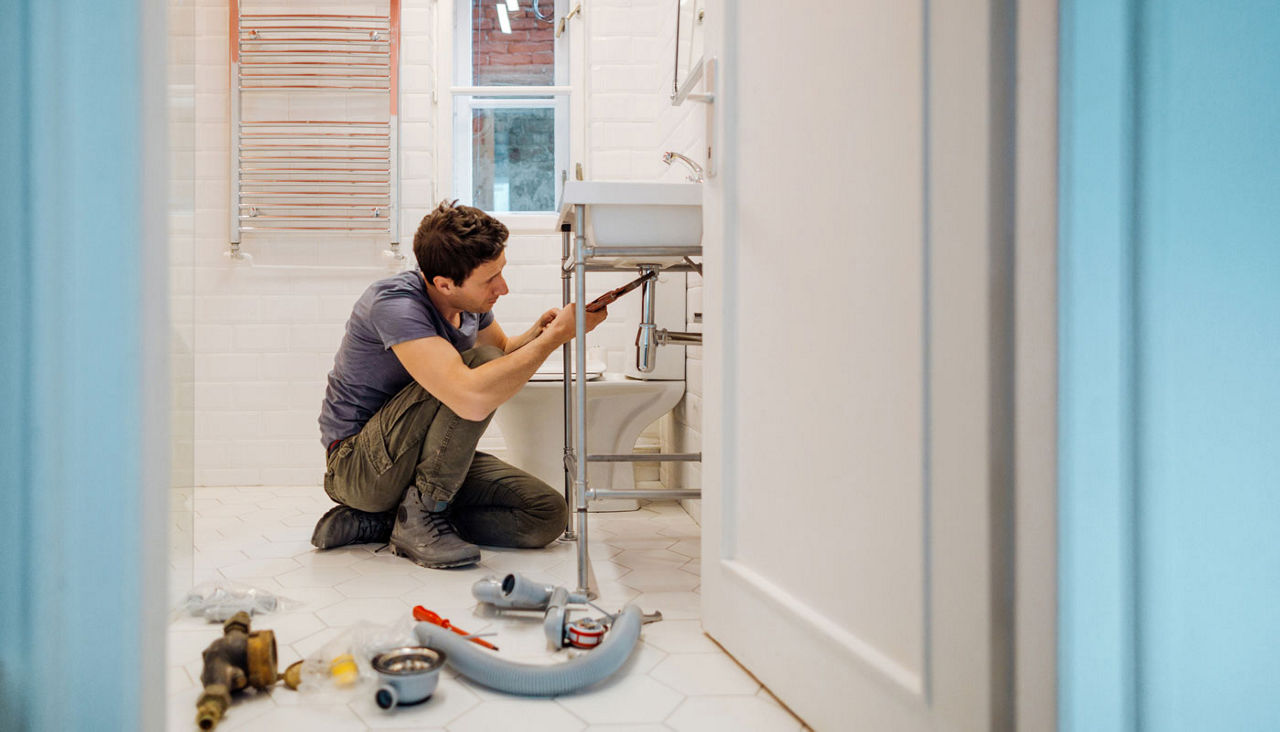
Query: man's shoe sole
x=324, y=524
x=434, y=565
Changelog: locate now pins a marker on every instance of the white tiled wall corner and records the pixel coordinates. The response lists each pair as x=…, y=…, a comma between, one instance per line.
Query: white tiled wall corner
x=264, y=335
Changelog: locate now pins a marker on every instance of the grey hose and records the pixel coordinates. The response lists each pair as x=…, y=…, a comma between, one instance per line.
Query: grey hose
x=487, y=669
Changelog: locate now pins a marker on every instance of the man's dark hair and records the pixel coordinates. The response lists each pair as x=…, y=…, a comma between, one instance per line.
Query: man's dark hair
x=453, y=240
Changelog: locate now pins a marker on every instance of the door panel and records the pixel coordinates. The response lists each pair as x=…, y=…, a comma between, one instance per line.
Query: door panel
x=856, y=484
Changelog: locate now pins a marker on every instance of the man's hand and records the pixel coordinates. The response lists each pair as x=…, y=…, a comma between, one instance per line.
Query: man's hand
x=544, y=320
x=562, y=326
x=493, y=335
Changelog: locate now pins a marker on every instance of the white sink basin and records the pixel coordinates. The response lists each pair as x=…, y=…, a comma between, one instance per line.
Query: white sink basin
x=635, y=214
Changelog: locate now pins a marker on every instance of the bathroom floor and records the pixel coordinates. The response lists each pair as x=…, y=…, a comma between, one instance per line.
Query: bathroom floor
x=676, y=679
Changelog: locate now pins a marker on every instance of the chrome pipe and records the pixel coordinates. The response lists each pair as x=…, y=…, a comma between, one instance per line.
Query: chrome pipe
x=580, y=390
x=313, y=86
x=308, y=16
x=313, y=123
x=656, y=251
x=678, y=337
x=646, y=339
x=382, y=230
x=312, y=75
x=652, y=495
x=660, y=457
x=569, y=533
x=614, y=268
x=253, y=170
x=293, y=146
x=314, y=41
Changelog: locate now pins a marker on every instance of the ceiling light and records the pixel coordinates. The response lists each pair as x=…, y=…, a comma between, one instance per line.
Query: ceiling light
x=503, y=21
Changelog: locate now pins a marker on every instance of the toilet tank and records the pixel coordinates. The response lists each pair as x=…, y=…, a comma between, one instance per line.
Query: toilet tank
x=669, y=313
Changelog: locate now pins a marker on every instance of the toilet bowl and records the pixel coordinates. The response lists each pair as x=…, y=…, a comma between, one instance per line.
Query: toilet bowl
x=618, y=410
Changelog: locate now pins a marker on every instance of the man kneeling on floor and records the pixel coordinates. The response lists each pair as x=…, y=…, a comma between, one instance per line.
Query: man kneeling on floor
x=420, y=371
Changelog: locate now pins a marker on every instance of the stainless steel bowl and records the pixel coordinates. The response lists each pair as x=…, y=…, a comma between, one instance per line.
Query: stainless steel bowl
x=407, y=675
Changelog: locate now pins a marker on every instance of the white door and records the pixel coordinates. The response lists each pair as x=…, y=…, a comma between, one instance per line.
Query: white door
x=857, y=476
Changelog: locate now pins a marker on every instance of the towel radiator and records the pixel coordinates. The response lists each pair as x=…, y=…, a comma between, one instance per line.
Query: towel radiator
x=314, y=124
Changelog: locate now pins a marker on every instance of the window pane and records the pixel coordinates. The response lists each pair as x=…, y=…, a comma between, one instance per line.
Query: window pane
x=513, y=159
x=520, y=52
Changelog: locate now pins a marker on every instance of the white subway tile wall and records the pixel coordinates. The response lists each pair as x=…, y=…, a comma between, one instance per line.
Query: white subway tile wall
x=265, y=333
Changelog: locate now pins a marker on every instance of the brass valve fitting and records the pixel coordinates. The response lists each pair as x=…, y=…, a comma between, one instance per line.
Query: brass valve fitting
x=238, y=659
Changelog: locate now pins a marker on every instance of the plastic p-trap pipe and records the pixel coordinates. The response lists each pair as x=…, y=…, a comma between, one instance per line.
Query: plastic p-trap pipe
x=486, y=668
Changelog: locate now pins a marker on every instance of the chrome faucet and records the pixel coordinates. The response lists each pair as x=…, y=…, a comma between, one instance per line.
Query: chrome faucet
x=668, y=157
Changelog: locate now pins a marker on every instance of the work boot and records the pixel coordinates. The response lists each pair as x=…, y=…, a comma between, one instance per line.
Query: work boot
x=344, y=525
x=426, y=537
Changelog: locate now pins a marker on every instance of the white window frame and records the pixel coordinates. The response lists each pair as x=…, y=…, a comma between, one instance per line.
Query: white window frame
x=454, y=52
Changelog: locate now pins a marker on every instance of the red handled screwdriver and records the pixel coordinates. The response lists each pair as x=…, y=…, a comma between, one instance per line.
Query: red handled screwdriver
x=424, y=615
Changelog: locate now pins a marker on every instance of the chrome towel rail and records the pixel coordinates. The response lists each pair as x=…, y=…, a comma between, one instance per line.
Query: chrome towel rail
x=330, y=174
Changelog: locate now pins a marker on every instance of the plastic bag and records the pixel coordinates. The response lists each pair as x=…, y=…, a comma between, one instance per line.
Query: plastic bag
x=218, y=600
x=344, y=664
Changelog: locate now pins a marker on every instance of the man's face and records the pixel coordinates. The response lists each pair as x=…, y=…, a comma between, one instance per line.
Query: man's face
x=483, y=286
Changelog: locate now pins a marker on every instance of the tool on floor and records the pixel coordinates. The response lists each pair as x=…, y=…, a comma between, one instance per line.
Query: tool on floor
x=604, y=300
x=407, y=675
x=424, y=615
x=238, y=659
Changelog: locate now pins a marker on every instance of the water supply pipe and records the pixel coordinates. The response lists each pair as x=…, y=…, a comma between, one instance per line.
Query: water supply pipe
x=678, y=337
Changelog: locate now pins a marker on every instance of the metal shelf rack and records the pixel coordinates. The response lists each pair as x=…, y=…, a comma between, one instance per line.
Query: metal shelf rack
x=578, y=258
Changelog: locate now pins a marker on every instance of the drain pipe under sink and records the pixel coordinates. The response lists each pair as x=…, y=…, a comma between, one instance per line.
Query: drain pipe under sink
x=487, y=669
x=650, y=336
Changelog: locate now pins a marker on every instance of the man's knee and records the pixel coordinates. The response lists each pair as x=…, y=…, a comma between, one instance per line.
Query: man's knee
x=481, y=355
x=548, y=516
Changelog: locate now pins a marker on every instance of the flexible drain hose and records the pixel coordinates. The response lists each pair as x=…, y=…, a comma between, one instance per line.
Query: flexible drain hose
x=486, y=668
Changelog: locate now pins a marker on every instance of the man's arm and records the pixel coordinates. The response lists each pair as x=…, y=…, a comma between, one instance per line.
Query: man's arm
x=493, y=335
x=474, y=393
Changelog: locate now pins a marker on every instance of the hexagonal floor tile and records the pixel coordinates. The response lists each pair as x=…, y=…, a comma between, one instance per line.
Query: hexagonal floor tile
x=732, y=714
x=449, y=701
x=629, y=699
x=679, y=636
x=391, y=585
x=527, y=715
x=653, y=580
x=674, y=605
x=380, y=611
x=316, y=576
x=259, y=568
x=310, y=718
x=659, y=559
x=704, y=674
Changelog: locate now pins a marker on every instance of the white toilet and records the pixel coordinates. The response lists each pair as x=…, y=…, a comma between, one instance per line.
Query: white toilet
x=619, y=408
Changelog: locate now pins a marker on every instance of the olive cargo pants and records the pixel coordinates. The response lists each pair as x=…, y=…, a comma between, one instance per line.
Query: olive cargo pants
x=415, y=440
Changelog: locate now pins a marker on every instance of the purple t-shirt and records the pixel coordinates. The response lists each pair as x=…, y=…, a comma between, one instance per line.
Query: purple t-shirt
x=366, y=372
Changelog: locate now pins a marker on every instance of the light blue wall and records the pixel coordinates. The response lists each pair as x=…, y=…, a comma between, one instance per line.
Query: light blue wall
x=76, y=557
x=1170, y=365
